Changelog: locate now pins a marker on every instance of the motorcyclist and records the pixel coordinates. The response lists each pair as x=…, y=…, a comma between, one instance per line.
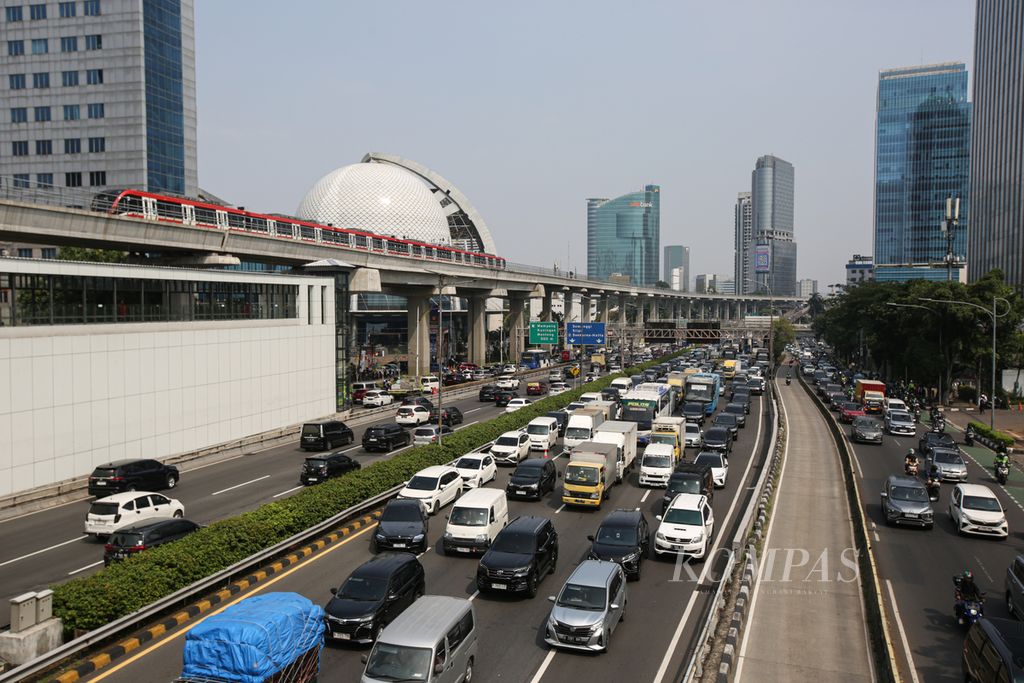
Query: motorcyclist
x=910, y=461
x=966, y=591
x=969, y=435
x=1001, y=459
x=934, y=482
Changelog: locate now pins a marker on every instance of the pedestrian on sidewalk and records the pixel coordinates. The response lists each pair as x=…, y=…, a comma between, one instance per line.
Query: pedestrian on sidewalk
x=982, y=403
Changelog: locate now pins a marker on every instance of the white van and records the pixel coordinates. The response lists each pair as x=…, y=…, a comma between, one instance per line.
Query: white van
x=109, y=514
x=429, y=385
x=657, y=464
x=543, y=433
x=475, y=520
x=623, y=384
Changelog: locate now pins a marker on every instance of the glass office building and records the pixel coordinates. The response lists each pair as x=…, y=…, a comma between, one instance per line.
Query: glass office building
x=996, y=238
x=922, y=154
x=623, y=236
x=771, y=201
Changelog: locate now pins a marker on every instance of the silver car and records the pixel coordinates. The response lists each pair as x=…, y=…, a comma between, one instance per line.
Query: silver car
x=900, y=423
x=421, y=436
x=905, y=501
x=866, y=430
x=589, y=607
x=951, y=466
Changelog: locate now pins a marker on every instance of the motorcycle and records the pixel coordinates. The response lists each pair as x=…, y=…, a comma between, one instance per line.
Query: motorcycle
x=917, y=415
x=934, y=485
x=788, y=381
x=1002, y=473
x=969, y=437
x=939, y=426
x=967, y=611
x=910, y=468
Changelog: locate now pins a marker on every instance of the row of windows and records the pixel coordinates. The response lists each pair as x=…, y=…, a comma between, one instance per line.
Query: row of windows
x=42, y=80
x=46, y=252
x=72, y=112
x=41, y=46
x=67, y=10
x=19, y=148
x=72, y=179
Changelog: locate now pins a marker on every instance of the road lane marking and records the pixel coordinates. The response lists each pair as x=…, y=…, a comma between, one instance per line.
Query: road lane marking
x=473, y=596
x=468, y=424
x=644, y=498
x=244, y=483
x=903, y=634
x=350, y=449
x=38, y=552
x=877, y=539
x=82, y=569
x=543, y=667
x=278, y=495
x=560, y=508
x=473, y=410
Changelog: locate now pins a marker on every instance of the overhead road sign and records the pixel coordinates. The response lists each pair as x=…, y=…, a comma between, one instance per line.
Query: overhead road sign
x=543, y=332
x=584, y=333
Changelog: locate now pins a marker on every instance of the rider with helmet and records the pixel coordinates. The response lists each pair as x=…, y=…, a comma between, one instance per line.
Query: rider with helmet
x=911, y=459
x=966, y=591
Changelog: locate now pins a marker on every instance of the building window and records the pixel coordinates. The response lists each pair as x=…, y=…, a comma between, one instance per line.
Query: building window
x=41, y=80
x=42, y=114
x=91, y=8
x=14, y=14
x=24, y=252
x=94, y=42
x=73, y=146
x=21, y=180
x=72, y=112
x=15, y=48
x=50, y=252
x=96, y=111
x=67, y=10
x=44, y=180
x=69, y=78
x=19, y=148
x=97, y=178
x=17, y=81
x=36, y=12
x=44, y=147
x=40, y=46
x=73, y=179
x=19, y=114
x=69, y=44
x=94, y=76
x=97, y=145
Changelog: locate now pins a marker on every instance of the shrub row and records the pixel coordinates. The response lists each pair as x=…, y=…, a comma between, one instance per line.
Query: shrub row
x=122, y=588
x=995, y=435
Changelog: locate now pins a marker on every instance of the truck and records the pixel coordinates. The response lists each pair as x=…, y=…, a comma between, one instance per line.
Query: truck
x=623, y=435
x=729, y=369
x=590, y=474
x=669, y=429
x=582, y=423
x=270, y=638
x=610, y=408
x=871, y=393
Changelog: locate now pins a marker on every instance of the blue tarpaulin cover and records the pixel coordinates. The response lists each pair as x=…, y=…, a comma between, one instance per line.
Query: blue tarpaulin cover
x=255, y=639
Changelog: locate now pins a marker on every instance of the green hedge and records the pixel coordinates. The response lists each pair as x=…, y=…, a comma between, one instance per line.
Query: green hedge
x=997, y=436
x=122, y=588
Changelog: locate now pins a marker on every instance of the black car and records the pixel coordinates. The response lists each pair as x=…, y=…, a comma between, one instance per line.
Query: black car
x=373, y=596
x=503, y=396
x=532, y=479
x=521, y=554
x=935, y=440
x=623, y=537
x=123, y=543
x=694, y=412
x=325, y=435
x=486, y=392
x=450, y=415
x=385, y=437
x=728, y=421
x=319, y=468
x=689, y=478
x=718, y=439
x=739, y=411
x=131, y=475
x=563, y=420
x=417, y=401
x=743, y=399
x=403, y=525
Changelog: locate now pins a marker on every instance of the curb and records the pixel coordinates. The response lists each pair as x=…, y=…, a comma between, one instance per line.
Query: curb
x=161, y=628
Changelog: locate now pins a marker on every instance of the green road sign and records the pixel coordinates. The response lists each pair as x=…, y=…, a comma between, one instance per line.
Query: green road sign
x=543, y=333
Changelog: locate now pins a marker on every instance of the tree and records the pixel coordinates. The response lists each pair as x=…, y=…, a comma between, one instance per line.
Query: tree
x=816, y=305
x=661, y=284
x=92, y=255
x=784, y=334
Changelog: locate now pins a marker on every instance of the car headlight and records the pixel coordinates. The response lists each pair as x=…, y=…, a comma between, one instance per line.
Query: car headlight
x=594, y=628
x=660, y=536
x=418, y=537
x=632, y=557
x=522, y=571
x=481, y=538
x=448, y=536
x=381, y=537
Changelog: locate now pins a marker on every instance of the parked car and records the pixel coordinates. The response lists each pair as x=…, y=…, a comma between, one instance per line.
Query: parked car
x=376, y=398
x=521, y=555
x=373, y=595
x=412, y=416
x=320, y=468
x=516, y=403
x=385, y=437
x=686, y=528
x=588, y=608
x=476, y=469
x=718, y=462
x=905, y=501
x=532, y=479
x=624, y=538
x=434, y=486
x=428, y=433
x=866, y=430
x=974, y=509
x=325, y=435
x=113, y=513
x=132, y=475
x=403, y=525
x=450, y=415
x=511, y=447
x=125, y=542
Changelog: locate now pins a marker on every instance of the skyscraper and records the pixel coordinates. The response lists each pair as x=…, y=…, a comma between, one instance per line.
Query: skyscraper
x=742, y=267
x=100, y=93
x=996, y=238
x=922, y=150
x=771, y=198
x=623, y=236
x=676, y=256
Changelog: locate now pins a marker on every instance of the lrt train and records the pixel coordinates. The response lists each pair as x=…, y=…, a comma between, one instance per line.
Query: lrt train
x=194, y=212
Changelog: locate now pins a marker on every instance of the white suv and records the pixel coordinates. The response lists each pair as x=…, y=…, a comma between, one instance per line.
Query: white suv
x=686, y=528
x=434, y=487
x=376, y=397
x=511, y=447
x=109, y=514
x=974, y=509
x=412, y=416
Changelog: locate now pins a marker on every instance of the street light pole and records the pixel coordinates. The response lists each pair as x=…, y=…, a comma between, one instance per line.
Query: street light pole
x=771, y=323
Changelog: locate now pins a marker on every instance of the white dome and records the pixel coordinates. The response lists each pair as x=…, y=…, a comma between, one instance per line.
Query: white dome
x=377, y=198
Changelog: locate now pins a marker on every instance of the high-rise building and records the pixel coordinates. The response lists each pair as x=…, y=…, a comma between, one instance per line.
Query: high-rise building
x=996, y=238
x=712, y=283
x=922, y=154
x=100, y=93
x=806, y=287
x=676, y=256
x=623, y=236
x=771, y=198
x=743, y=269
x=725, y=285
x=859, y=269
x=678, y=279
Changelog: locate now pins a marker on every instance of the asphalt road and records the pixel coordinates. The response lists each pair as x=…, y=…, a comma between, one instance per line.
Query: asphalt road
x=663, y=611
x=916, y=566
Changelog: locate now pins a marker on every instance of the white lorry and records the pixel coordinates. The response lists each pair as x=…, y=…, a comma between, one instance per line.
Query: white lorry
x=623, y=436
x=581, y=426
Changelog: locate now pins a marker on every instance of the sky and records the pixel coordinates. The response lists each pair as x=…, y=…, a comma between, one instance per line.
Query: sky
x=531, y=107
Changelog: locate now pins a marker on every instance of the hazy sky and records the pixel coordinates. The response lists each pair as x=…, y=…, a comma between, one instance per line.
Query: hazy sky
x=531, y=107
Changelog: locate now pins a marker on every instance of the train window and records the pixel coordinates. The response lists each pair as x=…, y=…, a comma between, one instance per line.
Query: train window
x=361, y=241
x=258, y=224
x=205, y=216
x=284, y=229
x=378, y=244
x=307, y=233
x=236, y=220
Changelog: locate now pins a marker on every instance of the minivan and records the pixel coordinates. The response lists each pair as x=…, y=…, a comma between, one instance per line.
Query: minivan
x=994, y=651
x=130, y=540
x=475, y=519
x=1014, y=587
x=325, y=435
x=115, y=512
x=434, y=641
x=375, y=594
x=130, y=475
x=385, y=437
x=588, y=608
x=543, y=432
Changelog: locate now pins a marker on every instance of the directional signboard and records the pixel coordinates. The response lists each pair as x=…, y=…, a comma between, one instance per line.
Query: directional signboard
x=584, y=333
x=543, y=332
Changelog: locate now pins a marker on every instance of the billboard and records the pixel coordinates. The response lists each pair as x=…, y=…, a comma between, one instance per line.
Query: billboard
x=762, y=258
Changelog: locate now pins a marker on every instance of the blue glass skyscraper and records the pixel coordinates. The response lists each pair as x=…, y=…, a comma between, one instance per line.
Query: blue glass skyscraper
x=922, y=153
x=624, y=236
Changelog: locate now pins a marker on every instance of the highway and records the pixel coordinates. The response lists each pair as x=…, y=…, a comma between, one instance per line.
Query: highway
x=663, y=611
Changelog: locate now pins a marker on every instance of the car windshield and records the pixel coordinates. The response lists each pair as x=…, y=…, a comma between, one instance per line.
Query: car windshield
x=400, y=513
x=311, y=430
x=656, y=461
x=682, y=516
x=519, y=544
x=103, y=509
x=422, y=483
x=900, y=417
x=669, y=439
x=577, y=433
x=688, y=485
x=390, y=662
x=590, y=598
x=725, y=420
x=865, y=423
x=538, y=429
x=913, y=494
x=616, y=535
x=363, y=588
x=507, y=441
x=315, y=463
x=983, y=503
x=692, y=429
x=469, y=517
x=587, y=476
x=948, y=458
x=713, y=459
x=469, y=463
x=639, y=415
x=126, y=540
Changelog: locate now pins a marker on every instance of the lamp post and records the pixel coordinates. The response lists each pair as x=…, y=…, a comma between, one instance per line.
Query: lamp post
x=771, y=323
x=442, y=291
x=949, y=226
x=995, y=315
x=930, y=310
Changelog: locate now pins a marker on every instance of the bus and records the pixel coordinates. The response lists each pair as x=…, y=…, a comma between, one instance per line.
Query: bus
x=535, y=358
x=703, y=388
x=643, y=404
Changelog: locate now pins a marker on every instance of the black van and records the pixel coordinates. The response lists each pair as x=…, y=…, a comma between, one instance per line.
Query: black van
x=994, y=651
x=689, y=478
x=126, y=542
x=385, y=437
x=325, y=435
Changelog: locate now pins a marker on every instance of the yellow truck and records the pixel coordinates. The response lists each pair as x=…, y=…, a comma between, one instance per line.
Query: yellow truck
x=668, y=430
x=729, y=369
x=589, y=474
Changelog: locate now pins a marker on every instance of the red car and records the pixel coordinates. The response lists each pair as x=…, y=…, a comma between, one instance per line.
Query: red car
x=536, y=388
x=849, y=410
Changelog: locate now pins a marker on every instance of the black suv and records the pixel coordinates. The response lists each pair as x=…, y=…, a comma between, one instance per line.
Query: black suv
x=532, y=478
x=385, y=437
x=689, y=478
x=727, y=421
x=503, y=396
x=373, y=596
x=739, y=411
x=124, y=543
x=320, y=468
x=403, y=526
x=994, y=651
x=325, y=435
x=521, y=554
x=623, y=537
x=450, y=415
x=130, y=475
x=694, y=412
x=718, y=439
x=935, y=440
x=486, y=392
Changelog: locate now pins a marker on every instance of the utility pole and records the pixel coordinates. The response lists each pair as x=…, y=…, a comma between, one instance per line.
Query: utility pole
x=949, y=226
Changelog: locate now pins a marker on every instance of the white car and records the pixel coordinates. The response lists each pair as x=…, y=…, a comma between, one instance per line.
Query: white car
x=107, y=515
x=377, y=398
x=719, y=465
x=434, y=487
x=894, y=404
x=476, y=469
x=686, y=528
x=557, y=388
x=509, y=369
x=508, y=383
x=429, y=385
x=693, y=436
x=516, y=403
x=412, y=416
x=511, y=447
x=974, y=509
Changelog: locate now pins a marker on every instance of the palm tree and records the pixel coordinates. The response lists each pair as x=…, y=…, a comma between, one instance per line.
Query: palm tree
x=816, y=305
